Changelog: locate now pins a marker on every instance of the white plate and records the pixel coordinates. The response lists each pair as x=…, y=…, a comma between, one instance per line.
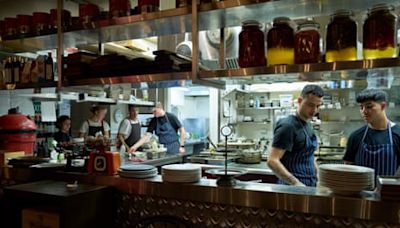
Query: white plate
x=342, y=168
x=181, y=167
x=137, y=176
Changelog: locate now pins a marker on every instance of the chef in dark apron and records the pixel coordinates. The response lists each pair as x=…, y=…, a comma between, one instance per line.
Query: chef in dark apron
x=166, y=126
x=292, y=153
x=95, y=125
x=376, y=145
x=129, y=129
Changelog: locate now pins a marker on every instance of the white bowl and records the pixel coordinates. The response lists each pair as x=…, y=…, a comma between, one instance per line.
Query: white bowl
x=71, y=187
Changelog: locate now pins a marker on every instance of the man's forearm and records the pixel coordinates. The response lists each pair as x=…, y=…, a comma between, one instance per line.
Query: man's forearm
x=183, y=136
x=280, y=171
x=142, y=140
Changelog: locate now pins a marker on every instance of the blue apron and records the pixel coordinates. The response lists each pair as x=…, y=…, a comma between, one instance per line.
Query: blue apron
x=301, y=163
x=167, y=135
x=382, y=157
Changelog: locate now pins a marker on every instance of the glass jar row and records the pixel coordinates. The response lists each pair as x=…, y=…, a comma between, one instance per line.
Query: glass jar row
x=287, y=46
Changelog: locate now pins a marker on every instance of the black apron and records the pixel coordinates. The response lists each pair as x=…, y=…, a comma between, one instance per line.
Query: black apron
x=135, y=134
x=93, y=130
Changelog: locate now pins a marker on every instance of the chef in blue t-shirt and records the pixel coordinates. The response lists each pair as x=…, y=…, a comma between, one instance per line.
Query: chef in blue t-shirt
x=292, y=152
x=377, y=144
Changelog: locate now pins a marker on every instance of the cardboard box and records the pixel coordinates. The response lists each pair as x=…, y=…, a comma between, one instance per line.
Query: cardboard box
x=35, y=218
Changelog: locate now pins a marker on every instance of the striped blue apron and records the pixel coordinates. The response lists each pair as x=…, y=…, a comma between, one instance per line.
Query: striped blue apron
x=301, y=163
x=382, y=157
x=167, y=135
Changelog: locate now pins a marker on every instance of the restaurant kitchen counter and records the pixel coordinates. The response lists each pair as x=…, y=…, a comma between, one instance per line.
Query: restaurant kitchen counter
x=248, y=204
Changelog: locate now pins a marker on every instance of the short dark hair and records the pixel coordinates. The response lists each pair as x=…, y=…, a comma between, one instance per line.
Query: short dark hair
x=312, y=89
x=376, y=95
x=61, y=120
x=131, y=106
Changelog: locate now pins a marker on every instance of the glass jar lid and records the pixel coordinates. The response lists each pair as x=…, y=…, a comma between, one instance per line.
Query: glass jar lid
x=251, y=23
x=308, y=24
x=342, y=13
x=380, y=7
x=281, y=20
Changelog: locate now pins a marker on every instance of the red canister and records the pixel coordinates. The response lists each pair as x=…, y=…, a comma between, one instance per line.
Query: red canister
x=17, y=133
x=119, y=8
x=41, y=23
x=10, y=26
x=146, y=6
x=65, y=17
x=24, y=25
x=88, y=13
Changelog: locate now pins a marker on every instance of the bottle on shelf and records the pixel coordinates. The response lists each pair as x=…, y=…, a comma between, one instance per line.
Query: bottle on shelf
x=257, y=104
x=49, y=70
x=263, y=102
x=26, y=71
x=34, y=72
x=41, y=69
x=251, y=102
x=8, y=71
x=16, y=65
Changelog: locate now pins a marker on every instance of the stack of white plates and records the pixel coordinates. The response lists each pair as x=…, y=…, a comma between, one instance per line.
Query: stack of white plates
x=346, y=179
x=182, y=173
x=137, y=171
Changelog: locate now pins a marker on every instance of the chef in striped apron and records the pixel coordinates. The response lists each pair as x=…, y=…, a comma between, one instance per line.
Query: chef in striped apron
x=377, y=144
x=166, y=126
x=292, y=152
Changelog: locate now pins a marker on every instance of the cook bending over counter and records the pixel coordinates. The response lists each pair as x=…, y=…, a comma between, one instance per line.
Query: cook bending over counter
x=166, y=126
x=292, y=154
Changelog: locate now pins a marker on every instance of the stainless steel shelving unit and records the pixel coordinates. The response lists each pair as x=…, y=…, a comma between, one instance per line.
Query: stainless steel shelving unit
x=174, y=76
x=218, y=15
x=349, y=70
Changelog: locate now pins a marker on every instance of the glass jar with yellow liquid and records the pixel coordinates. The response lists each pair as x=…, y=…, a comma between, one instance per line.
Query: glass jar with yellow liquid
x=280, y=42
x=380, y=29
x=341, y=37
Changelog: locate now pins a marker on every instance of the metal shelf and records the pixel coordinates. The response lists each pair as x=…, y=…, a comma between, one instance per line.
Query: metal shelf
x=348, y=70
x=254, y=122
x=31, y=85
x=166, y=22
x=137, y=103
x=233, y=12
x=174, y=76
x=177, y=21
x=265, y=108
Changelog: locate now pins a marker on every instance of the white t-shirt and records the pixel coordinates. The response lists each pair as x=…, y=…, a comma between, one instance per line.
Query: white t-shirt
x=125, y=127
x=85, y=126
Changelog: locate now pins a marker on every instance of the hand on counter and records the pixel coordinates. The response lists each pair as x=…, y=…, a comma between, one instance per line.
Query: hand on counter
x=181, y=150
x=300, y=184
x=132, y=149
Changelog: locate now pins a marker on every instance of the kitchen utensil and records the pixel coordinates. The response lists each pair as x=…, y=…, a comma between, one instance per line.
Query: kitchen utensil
x=212, y=143
x=250, y=156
